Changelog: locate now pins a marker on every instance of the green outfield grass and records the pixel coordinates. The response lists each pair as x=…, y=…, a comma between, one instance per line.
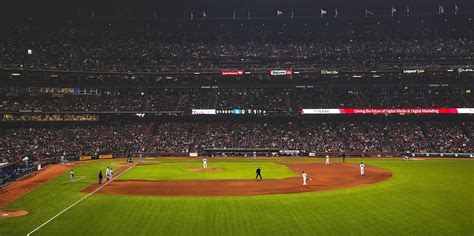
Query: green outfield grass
x=169, y=171
x=422, y=198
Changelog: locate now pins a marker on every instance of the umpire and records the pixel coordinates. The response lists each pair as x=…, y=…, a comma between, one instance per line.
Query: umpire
x=100, y=177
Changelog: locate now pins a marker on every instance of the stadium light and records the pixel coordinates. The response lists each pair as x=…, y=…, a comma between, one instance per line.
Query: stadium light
x=30, y=51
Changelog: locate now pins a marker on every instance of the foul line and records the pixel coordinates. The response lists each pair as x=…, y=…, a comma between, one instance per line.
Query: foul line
x=80, y=200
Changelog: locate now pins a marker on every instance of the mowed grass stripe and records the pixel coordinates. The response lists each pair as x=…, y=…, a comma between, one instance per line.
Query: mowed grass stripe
x=421, y=199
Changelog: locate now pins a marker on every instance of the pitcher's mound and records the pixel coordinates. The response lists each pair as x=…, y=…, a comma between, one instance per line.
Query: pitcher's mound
x=204, y=169
x=10, y=214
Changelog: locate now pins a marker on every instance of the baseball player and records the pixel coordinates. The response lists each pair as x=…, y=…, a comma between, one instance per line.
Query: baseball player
x=204, y=163
x=107, y=173
x=71, y=176
x=362, y=168
x=258, y=171
x=343, y=157
x=327, y=159
x=111, y=173
x=254, y=155
x=305, y=177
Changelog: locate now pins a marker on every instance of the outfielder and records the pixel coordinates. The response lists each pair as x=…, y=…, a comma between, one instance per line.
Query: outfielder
x=305, y=177
x=362, y=168
x=254, y=155
x=327, y=159
x=204, y=163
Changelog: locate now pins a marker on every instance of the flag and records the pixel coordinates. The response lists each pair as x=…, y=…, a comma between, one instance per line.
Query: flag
x=192, y=16
x=393, y=10
x=335, y=13
x=204, y=15
x=323, y=12
x=155, y=15
x=456, y=9
x=233, y=15
x=292, y=14
x=440, y=9
x=279, y=13
x=367, y=12
x=408, y=10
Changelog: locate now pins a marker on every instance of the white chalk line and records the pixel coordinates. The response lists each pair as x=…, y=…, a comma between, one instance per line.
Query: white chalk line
x=77, y=202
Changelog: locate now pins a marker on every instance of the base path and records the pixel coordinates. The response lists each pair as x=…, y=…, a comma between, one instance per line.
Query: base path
x=334, y=176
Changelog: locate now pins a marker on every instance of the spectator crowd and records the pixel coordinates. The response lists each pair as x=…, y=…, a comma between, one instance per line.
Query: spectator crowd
x=41, y=143
x=282, y=100
x=112, y=51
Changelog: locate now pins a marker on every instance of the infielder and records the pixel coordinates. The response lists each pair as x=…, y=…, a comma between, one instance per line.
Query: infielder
x=362, y=168
x=258, y=171
x=107, y=173
x=204, y=163
x=327, y=159
x=305, y=177
x=71, y=176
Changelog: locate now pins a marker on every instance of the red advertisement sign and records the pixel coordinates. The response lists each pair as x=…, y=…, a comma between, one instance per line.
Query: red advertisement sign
x=232, y=72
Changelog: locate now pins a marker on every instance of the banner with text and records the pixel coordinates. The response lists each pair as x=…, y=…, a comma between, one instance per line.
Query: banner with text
x=386, y=111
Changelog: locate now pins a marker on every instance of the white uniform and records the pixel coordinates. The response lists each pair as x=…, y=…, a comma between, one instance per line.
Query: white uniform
x=254, y=155
x=305, y=178
x=204, y=163
x=71, y=176
x=362, y=168
x=327, y=159
x=107, y=174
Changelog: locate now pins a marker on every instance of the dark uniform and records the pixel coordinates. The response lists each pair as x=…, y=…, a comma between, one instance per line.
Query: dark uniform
x=100, y=177
x=258, y=173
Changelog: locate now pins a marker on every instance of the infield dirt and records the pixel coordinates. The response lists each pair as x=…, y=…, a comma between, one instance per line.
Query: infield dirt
x=324, y=177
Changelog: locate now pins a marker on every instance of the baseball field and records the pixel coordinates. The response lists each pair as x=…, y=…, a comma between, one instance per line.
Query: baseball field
x=172, y=196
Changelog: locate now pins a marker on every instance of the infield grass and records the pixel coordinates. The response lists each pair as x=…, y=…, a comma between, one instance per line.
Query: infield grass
x=421, y=198
x=179, y=171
